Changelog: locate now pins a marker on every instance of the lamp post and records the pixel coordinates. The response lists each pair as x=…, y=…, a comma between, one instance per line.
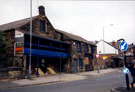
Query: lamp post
x=103, y=40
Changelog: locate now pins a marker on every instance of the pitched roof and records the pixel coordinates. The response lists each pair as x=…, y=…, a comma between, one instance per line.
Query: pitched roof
x=131, y=46
x=108, y=44
x=15, y=24
x=19, y=23
x=74, y=37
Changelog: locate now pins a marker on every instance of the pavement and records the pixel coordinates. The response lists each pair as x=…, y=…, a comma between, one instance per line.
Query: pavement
x=58, y=78
x=122, y=89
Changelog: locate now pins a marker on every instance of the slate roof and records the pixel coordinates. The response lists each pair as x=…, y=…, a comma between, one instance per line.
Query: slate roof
x=75, y=37
x=116, y=47
x=131, y=46
x=15, y=24
x=20, y=23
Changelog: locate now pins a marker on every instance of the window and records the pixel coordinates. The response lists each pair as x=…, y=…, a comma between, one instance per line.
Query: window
x=62, y=37
x=92, y=49
x=46, y=27
x=86, y=48
x=42, y=26
x=80, y=63
x=78, y=47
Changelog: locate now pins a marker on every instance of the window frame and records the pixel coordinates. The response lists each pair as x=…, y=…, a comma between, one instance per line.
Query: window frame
x=42, y=26
x=79, y=47
x=86, y=48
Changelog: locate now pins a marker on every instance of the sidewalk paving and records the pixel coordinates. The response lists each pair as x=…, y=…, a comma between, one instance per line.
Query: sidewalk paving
x=54, y=78
x=101, y=72
x=122, y=89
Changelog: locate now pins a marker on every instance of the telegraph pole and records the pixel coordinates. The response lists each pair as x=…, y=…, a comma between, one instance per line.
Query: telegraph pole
x=29, y=72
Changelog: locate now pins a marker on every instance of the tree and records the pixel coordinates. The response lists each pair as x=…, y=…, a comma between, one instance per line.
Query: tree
x=3, y=50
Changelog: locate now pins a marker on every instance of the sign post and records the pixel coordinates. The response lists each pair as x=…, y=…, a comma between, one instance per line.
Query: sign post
x=97, y=63
x=123, y=47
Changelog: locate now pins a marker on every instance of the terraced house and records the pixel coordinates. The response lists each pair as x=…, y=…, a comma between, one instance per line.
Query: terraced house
x=62, y=51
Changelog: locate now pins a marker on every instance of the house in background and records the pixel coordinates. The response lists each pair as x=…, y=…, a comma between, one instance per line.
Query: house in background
x=130, y=53
x=109, y=55
x=62, y=51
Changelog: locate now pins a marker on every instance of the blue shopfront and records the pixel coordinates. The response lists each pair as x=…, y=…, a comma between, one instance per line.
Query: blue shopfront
x=44, y=53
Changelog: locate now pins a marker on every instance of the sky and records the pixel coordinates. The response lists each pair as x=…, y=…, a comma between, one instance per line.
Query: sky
x=80, y=17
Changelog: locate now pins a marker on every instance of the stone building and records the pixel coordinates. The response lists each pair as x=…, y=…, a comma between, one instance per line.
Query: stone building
x=51, y=47
x=130, y=53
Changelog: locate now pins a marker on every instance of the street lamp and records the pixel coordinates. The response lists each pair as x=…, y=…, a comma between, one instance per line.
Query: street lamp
x=103, y=39
x=103, y=36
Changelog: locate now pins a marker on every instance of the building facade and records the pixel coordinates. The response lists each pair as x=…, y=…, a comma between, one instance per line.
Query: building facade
x=109, y=56
x=62, y=51
x=130, y=53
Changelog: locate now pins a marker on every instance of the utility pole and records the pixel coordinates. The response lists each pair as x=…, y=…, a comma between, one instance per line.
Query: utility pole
x=29, y=72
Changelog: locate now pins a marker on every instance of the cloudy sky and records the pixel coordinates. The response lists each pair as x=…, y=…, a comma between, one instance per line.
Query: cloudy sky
x=83, y=18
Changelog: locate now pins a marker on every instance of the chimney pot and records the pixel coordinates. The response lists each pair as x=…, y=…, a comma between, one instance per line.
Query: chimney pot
x=114, y=43
x=41, y=10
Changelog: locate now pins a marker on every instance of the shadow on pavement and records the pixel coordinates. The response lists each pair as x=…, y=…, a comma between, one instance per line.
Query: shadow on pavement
x=122, y=89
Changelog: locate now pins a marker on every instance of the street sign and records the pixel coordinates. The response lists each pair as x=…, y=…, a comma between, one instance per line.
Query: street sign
x=97, y=55
x=125, y=70
x=123, y=46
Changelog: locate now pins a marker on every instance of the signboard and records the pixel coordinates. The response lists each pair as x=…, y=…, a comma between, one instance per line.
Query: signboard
x=97, y=55
x=105, y=57
x=126, y=70
x=19, y=49
x=18, y=34
x=123, y=46
x=86, y=61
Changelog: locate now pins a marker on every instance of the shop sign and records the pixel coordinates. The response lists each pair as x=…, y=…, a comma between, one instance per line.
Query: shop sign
x=105, y=57
x=86, y=61
x=19, y=49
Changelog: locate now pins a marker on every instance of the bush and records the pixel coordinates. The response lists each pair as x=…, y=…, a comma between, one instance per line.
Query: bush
x=3, y=50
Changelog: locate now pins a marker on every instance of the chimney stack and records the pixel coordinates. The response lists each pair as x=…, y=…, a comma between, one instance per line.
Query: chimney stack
x=41, y=10
x=114, y=43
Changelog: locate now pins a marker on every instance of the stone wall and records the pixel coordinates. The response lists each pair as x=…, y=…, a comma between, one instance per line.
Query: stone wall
x=74, y=54
x=9, y=36
x=53, y=34
x=36, y=29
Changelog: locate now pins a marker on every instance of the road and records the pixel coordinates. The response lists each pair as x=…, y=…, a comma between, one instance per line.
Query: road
x=99, y=84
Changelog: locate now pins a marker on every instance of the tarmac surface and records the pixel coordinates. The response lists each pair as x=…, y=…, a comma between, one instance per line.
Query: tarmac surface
x=65, y=78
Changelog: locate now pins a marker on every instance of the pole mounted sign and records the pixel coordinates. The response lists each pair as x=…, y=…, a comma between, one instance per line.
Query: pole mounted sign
x=123, y=46
x=125, y=70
